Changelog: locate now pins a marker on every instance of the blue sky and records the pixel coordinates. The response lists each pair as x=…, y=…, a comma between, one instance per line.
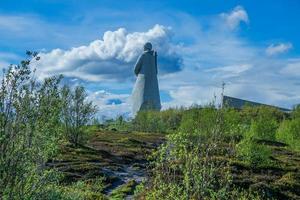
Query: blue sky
x=252, y=46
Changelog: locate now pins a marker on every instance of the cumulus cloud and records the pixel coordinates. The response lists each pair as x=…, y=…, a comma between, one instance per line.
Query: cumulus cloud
x=112, y=57
x=235, y=17
x=111, y=105
x=275, y=49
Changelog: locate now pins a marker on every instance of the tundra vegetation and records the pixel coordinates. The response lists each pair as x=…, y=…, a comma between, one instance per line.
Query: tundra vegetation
x=52, y=148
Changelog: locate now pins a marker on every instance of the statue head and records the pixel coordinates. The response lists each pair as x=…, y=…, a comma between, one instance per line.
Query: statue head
x=147, y=46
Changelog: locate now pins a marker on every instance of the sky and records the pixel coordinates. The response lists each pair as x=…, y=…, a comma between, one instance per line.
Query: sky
x=251, y=46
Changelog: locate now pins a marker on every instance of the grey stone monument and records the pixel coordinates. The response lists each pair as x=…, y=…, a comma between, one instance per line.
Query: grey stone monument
x=145, y=95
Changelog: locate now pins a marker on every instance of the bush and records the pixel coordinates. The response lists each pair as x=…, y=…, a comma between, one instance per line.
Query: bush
x=155, y=121
x=289, y=133
x=171, y=118
x=79, y=190
x=184, y=169
x=187, y=166
x=264, y=122
x=233, y=125
x=29, y=131
x=148, y=121
x=296, y=112
x=203, y=121
x=77, y=112
x=263, y=128
x=250, y=113
x=252, y=153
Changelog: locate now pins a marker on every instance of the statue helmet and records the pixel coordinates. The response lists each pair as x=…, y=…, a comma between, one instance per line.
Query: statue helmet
x=148, y=46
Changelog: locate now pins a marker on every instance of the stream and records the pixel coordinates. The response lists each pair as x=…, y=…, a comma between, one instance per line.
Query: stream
x=124, y=174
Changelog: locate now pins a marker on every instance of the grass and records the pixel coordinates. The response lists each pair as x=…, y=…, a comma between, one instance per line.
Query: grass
x=111, y=149
x=105, y=149
x=280, y=179
x=124, y=190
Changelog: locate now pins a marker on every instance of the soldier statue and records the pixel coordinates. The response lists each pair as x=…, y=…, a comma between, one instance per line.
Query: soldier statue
x=145, y=95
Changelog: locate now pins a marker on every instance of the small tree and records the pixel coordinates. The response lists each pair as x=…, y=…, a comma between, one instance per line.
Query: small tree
x=76, y=112
x=29, y=131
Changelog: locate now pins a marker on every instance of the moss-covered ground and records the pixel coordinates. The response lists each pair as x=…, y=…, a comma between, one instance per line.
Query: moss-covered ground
x=121, y=158
x=279, y=179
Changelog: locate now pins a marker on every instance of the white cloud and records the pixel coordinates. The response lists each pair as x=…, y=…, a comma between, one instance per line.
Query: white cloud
x=13, y=23
x=3, y=64
x=235, y=17
x=193, y=94
x=275, y=49
x=104, y=101
x=8, y=58
x=231, y=70
x=292, y=69
x=112, y=57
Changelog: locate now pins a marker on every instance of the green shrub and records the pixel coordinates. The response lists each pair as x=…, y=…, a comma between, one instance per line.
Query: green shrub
x=264, y=122
x=263, y=128
x=233, y=125
x=200, y=120
x=296, y=112
x=289, y=133
x=252, y=153
x=79, y=190
x=187, y=170
x=186, y=167
x=249, y=113
x=76, y=113
x=155, y=121
x=148, y=121
x=29, y=131
x=171, y=118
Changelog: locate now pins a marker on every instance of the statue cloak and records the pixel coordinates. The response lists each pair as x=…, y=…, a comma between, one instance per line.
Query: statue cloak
x=145, y=95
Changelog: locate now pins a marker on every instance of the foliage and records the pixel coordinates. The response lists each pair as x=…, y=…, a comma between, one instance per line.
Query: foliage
x=29, y=131
x=205, y=120
x=264, y=123
x=186, y=167
x=296, y=112
x=289, y=133
x=199, y=120
x=76, y=112
x=89, y=190
x=253, y=154
x=193, y=163
x=122, y=191
x=233, y=126
x=120, y=124
x=249, y=113
x=155, y=121
x=263, y=128
x=186, y=171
